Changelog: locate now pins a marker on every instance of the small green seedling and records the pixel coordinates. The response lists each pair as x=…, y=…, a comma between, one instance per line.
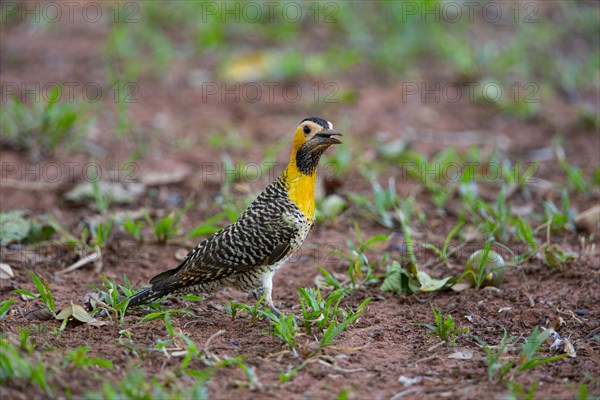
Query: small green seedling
x=517, y=391
x=575, y=177
x=14, y=366
x=444, y=328
x=528, y=358
x=360, y=269
x=78, y=358
x=165, y=228
x=497, y=371
x=556, y=258
x=525, y=235
x=100, y=233
x=255, y=311
x=101, y=200
x=165, y=315
x=25, y=343
x=112, y=301
x=44, y=293
x=443, y=253
x=285, y=328
x=45, y=126
x=560, y=220
x=335, y=328
x=134, y=228
x=381, y=208
x=506, y=371
x=317, y=311
x=4, y=306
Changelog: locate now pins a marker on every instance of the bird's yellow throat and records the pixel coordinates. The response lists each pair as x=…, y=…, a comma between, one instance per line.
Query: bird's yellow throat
x=301, y=188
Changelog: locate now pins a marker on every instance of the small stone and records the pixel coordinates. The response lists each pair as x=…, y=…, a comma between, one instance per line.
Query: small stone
x=583, y=312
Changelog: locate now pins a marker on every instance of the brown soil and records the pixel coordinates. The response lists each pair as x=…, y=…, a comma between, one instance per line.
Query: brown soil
x=385, y=344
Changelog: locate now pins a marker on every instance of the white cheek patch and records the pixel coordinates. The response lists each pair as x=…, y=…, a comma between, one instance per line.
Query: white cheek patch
x=330, y=125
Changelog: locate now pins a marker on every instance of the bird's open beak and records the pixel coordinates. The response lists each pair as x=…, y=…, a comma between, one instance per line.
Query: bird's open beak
x=325, y=138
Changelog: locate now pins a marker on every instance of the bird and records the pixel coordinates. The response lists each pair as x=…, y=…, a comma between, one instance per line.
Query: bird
x=247, y=253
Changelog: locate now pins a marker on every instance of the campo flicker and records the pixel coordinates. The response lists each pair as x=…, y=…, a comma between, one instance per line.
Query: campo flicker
x=246, y=254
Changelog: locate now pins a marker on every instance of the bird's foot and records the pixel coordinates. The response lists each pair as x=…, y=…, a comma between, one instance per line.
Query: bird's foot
x=275, y=310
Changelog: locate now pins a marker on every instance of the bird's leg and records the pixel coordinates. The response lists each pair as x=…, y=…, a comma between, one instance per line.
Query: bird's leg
x=267, y=287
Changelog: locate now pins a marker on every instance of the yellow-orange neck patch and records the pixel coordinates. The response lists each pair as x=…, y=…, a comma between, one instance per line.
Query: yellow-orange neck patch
x=301, y=188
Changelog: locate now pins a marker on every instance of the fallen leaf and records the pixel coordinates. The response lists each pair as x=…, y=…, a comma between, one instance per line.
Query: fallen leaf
x=116, y=192
x=91, y=299
x=460, y=286
x=39, y=314
x=6, y=271
x=406, y=381
x=80, y=314
x=175, y=174
x=589, y=219
x=97, y=322
x=65, y=313
x=76, y=311
x=466, y=354
x=429, y=284
x=14, y=226
x=569, y=349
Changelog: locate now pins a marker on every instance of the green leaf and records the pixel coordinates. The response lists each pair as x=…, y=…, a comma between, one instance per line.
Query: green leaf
x=4, y=306
x=429, y=284
x=13, y=227
x=101, y=362
x=398, y=281
x=153, y=316
x=80, y=314
x=26, y=293
x=65, y=312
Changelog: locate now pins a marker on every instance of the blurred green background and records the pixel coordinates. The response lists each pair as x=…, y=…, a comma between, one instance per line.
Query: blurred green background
x=533, y=58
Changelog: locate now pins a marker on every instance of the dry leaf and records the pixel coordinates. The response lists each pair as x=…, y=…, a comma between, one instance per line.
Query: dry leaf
x=65, y=313
x=76, y=311
x=460, y=286
x=6, y=271
x=569, y=349
x=406, y=381
x=589, y=219
x=97, y=322
x=466, y=354
x=175, y=174
x=91, y=299
x=80, y=314
x=39, y=314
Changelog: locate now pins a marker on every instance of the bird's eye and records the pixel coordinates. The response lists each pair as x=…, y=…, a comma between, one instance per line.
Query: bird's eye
x=306, y=129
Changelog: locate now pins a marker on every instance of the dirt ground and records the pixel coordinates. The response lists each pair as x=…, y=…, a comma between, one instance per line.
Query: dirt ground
x=385, y=344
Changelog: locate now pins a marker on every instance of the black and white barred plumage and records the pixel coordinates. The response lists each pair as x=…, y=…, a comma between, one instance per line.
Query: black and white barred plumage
x=239, y=255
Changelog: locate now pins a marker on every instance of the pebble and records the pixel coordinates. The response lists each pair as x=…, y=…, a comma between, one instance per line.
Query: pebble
x=582, y=312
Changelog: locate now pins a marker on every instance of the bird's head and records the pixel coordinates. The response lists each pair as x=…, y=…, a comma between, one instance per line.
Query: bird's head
x=313, y=136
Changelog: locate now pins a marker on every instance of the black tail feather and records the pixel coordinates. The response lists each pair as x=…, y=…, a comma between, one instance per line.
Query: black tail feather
x=146, y=296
